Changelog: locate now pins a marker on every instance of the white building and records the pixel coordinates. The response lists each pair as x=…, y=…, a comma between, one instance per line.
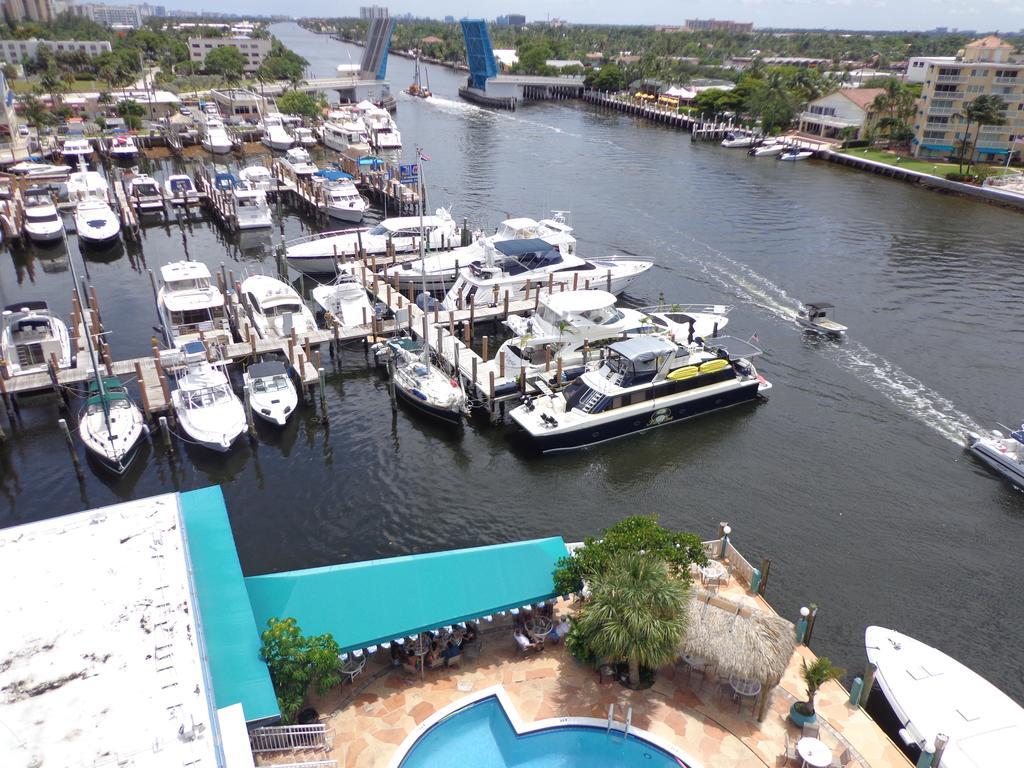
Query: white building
x=846, y=110
x=20, y=51
x=255, y=50
x=110, y=15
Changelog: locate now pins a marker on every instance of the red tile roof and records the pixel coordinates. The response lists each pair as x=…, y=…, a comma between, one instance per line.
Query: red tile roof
x=862, y=97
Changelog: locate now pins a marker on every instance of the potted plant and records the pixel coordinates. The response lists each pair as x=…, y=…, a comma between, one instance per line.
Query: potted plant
x=815, y=675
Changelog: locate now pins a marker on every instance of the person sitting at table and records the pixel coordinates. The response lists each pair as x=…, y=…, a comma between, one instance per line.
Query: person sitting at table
x=525, y=643
x=397, y=654
x=469, y=636
x=451, y=650
x=559, y=631
x=548, y=610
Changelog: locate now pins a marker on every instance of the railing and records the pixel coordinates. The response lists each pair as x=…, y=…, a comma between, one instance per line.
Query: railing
x=741, y=568
x=1007, y=81
x=308, y=764
x=950, y=79
x=280, y=737
x=713, y=548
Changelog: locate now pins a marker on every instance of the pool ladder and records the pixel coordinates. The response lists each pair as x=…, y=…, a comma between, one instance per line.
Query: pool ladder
x=625, y=726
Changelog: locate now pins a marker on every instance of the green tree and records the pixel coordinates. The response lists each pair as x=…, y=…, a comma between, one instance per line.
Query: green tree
x=53, y=83
x=773, y=103
x=608, y=78
x=35, y=111
x=815, y=675
x=894, y=109
x=132, y=113
x=986, y=109
x=533, y=58
x=10, y=72
x=226, y=61
x=299, y=103
x=298, y=663
x=637, y=612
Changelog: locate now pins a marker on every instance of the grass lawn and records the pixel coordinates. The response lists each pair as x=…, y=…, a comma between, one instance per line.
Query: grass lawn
x=79, y=86
x=903, y=161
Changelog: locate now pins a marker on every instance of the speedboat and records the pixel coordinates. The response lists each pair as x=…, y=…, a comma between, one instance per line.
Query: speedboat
x=96, y=223
x=272, y=395
x=32, y=334
x=299, y=161
x=123, y=148
x=145, y=194
x=815, y=317
x=180, y=188
x=303, y=136
x=188, y=303
x=1003, y=454
x=76, y=149
x=277, y=309
x=111, y=425
x=251, y=209
x=443, y=268
x=643, y=382
x=344, y=131
x=769, y=148
x=43, y=223
x=420, y=383
x=932, y=694
x=739, y=140
x=345, y=301
x=274, y=134
x=795, y=153
x=381, y=127
x=514, y=265
x=46, y=171
x=210, y=414
x=215, y=136
x=257, y=177
x=318, y=254
x=340, y=198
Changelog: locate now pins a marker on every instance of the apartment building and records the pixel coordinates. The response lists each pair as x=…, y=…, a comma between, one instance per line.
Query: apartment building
x=20, y=51
x=26, y=10
x=719, y=25
x=124, y=16
x=253, y=49
x=985, y=66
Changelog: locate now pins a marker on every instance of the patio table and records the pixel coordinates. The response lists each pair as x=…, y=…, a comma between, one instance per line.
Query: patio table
x=352, y=667
x=713, y=571
x=540, y=626
x=814, y=753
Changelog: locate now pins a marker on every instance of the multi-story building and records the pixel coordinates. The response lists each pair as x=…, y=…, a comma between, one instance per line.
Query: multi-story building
x=367, y=12
x=26, y=10
x=110, y=15
x=718, y=25
x=841, y=114
x=985, y=66
x=20, y=51
x=255, y=50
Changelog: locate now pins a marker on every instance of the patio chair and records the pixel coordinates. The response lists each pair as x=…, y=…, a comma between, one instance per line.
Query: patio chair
x=840, y=760
x=811, y=729
x=455, y=661
x=791, y=754
x=472, y=650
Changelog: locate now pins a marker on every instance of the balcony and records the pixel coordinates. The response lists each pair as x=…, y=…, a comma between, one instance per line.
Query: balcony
x=831, y=121
x=950, y=79
x=941, y=112
x=1007, y=81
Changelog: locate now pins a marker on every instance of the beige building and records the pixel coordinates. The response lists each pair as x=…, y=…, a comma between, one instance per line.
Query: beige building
x=846, y=111
x=985, y=66
x=255, y=50
x=26, y=10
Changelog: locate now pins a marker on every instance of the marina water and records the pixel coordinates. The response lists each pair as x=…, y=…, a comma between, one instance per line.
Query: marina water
x=852, y=478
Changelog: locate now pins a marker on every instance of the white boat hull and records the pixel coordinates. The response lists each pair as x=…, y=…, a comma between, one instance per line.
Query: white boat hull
x=38, y=234
x=217, y=147
x=279, y=145
x=351, y=215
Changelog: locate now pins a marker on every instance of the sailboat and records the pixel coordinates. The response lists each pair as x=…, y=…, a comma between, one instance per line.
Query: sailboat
x=417, y=89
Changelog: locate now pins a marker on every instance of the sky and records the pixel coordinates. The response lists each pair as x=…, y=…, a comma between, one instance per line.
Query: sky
x=1003, y=15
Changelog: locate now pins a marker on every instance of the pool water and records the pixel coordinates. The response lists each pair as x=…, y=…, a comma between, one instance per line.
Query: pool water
x=481, y=735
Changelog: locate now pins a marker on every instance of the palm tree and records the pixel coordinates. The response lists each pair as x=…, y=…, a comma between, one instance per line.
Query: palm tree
x=52, y=82
x=815, y=675
x=987, y=109
x=638, y=612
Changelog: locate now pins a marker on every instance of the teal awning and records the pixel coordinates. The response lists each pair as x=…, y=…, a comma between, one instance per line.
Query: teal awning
x=991, y=151
x=229, y=631
x=364, y=604
x=938, y=147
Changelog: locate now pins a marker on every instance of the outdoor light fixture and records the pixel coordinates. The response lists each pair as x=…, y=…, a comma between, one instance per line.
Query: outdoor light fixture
x=727, y=530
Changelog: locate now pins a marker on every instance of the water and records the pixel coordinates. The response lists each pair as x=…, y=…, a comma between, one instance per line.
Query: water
x=483, y=730
x=852, y=478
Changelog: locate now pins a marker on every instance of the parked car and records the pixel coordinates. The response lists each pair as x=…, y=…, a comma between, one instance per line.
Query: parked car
x=185, y=111
x=23, y=130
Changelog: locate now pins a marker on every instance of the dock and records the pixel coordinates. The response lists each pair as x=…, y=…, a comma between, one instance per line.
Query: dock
x=698, y=128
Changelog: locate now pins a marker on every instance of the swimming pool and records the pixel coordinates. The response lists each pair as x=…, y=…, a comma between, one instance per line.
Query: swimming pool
x=481, y=734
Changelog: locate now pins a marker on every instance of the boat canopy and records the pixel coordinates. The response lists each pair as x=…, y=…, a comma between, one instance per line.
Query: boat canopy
x=643, y=349
x=1018, y=435
x=266, y=369
x=27, y=306
x=370, y=160
x=332, y=175
x=113, y=390
x=820, y=305
x=527, y=255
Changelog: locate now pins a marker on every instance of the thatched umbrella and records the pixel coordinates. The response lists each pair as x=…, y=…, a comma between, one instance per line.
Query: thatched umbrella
x=741, y=641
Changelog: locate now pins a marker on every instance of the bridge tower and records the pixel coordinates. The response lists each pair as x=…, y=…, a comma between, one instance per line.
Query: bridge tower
x=479, y=53
x=374, y=65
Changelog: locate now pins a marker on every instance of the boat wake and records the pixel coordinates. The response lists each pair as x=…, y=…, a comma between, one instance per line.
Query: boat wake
x=453, y=105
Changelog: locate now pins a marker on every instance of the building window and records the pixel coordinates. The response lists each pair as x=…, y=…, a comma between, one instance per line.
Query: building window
x=945, y=88
x=934, y=134
x=935, y=119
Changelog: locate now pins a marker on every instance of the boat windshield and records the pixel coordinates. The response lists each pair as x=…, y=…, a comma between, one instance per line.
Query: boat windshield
x=285, y=308
x=149, y=190
x=277, y=383
x=380, y=230
x=602, y=316
x=113, y=404
x=41, y=217
x=206, y=397
x=189, y=284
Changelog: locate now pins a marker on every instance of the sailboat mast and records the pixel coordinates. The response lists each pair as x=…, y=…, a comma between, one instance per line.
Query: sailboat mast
x=423, y=250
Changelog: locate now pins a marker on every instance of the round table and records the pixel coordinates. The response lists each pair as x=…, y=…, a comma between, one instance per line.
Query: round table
x=712, y=571
x=813, y=752
x=540, y=626
x=745, y=687
x=353, y=666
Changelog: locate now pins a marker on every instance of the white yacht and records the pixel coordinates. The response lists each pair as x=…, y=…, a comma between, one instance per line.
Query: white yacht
x=215, y=138
x=276, y=308
x=251, y=209
x=344, y=132
x=643, y=382
x=795, y=153
x=274, y=134
x=317, y=254
x=767, y=148
x=43, y=223
x=303, y=136
x=272, y=395
x=95, y=221
x=32, y=170
x=381, y=128
x=345, y=301
x=341, y=200
x=181, y=189
x=1004, y=454
x=31, y=335
x=144, y=193
x=422, y=384
x=299, y=161
x=123, y=148
x=513, y=265
x=111, y=425
x=443, y=267
x=932, y=693
x=209, y=413
x=76, y=149
x=739, y=139
x=189, y=303
x=257, y=177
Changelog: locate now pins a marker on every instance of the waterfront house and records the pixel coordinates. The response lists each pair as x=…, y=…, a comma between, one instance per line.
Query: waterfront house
x=847, y=110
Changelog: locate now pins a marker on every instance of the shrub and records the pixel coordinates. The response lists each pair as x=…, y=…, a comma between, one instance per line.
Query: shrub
x=297, y=663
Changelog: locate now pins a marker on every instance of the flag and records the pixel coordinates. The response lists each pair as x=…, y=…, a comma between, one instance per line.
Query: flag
x=424, y=156
x=754, y=338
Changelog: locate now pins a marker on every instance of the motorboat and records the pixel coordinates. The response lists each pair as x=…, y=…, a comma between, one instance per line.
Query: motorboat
x=318, y=254
x=417, y=88
x=1004, y=454
x=95, y=222
x=32, y=335
x=443, y=267
x=795, y=153
x=251, y=209
x=76, y=149
x=340, y=198
x=642, y=383
x=344, y=301
x=215, y=139
x=226, y=181
x=816, y=317
x=299, y=161
x=33, y=170
x=420, y=383
x=43, y=223
x=188, y=303
x=181, y=189
x=274, y=134
x=768, y=148
x=145, y=194
x=381, y=127
x=257, y=177
x=123, y=148
x=271, y=392
x=111, y=425
x=932, y=694
x=303, y=136
x=345, y=131
x=209, y=413
x=513, y=266
x=739, y=140
x=84, y=184
x=276, y=309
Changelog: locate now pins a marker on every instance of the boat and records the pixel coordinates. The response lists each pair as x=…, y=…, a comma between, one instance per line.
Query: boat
x=181, y=189
x=95, y=221
x=43, y=223
x=769, y=148
x=257, y=177
x=932, y=694
x=251, y=208
x=111, y=425
x=343, y=131
x=32, y=336
x=209, y=413
x=144, y=193
x=513, y=265
x=739, y=140
x=380, y=126
x=345, y=301
x=795, y=153
x=815, y=317
x=274, y=134
x=420, y=383
x=215, y=139
x=226, y=181
x=299, y=161
x=416, y=88
x=318, y=254
x=644, y=382
x=339, y=197
x=1004, y=454
x=76, y=149
x=123, y=148
x=303, y=136
x=188, y=303
x=276, y=309
x=443, y=268
x=33, y=170
x=271, y=393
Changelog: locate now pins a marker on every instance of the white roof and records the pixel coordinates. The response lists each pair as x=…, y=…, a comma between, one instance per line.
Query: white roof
x=103, y=663
x=184, y=270
x=569, y=302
